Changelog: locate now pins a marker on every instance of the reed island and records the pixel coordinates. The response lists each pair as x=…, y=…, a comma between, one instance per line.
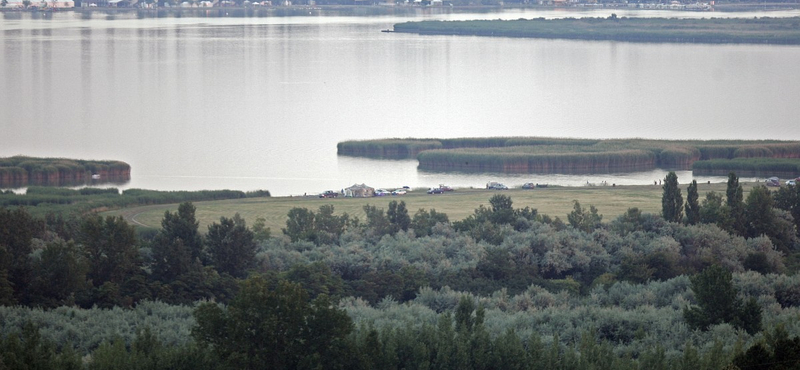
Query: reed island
x=564, y=155
x=783, y=31
x=19, y=171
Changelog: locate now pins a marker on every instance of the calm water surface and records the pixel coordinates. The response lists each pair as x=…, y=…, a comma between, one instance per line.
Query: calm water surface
x=260, y=103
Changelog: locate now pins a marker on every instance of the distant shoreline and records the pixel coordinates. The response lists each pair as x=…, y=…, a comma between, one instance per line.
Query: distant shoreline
x=727, y=8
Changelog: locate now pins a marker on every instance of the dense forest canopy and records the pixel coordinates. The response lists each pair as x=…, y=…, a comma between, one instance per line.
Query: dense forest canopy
x=710, y=282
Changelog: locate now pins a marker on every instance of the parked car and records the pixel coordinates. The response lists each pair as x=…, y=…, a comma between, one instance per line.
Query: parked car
x=399, y=192
x=445, y=187
x=528, y=185
x=382, y=192
x=497, y=186
x=791, y=182
x=329, y=194
x=773, y=181
x=435, y=191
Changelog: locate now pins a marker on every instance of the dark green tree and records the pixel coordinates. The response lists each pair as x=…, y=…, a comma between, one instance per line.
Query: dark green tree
x=300, y=225
x=110, y=247
x=671, y=200
x=17, y=230
x=692, y=204
x=60, y=274
x=502, y=209
x=178, y=246
x=787, y=198
x=734, y=200
x=714, y=211
x=329, y=227
x=184, y=226
x=272, y=325
x=398, y=216
x=758, y=212
x=377, y=222
x=424, y=221
x=717, y=303
x=231, y=246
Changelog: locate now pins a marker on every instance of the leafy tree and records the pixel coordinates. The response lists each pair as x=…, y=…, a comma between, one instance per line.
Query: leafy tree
x=110, y=247
x=184, y=226
x=316, y=279
x=734, y=196
x=377, y=221
x=762, y=219
x=671, y=200
x=260, y=231
x=300, y=225
x=502, y=209
x=329, y=227
x=717, y=303
x=692, y=204
x=231, y=246
x=714, y=211
x=60, y=274
x=274, y=326
x=398, y=216
x=787, y=198
x=178, y=246
x=582, y=220
x=758, y=212
x=424, y=221
x=17, y=230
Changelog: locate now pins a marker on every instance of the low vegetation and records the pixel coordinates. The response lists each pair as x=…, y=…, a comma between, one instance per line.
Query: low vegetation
x=559, y=155
x=41, y=200
x=705, y=30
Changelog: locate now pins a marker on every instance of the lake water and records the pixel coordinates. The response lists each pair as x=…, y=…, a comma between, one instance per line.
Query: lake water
x=260, y=102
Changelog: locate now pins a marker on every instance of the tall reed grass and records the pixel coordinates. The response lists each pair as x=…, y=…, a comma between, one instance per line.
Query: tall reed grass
x=565, y=155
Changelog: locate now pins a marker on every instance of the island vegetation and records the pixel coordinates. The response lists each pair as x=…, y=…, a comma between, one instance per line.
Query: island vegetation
x=706, y=282
x=707, y=30
x=21, y=171
x=562, y=155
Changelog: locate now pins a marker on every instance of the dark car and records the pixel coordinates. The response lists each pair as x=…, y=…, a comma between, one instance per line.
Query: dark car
x=529, y=185
x=435, y=191
x=329, y=194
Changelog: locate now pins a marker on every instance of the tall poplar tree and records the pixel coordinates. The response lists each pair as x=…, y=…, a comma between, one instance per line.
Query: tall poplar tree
x=735, y=197
x=671, y=200
x=692, y=204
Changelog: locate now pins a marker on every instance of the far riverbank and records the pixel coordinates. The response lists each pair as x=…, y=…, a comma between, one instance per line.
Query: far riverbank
x=781, y=31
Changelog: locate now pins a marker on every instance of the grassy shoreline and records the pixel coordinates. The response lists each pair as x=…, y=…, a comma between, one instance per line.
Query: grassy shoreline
x=777, y=31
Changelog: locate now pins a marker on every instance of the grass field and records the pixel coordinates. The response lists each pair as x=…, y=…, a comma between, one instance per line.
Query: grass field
x=554, y=201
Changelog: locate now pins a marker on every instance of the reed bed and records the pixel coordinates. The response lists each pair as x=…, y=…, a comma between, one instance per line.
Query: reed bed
x=714, y=30
x=387, y=148
x=785, y=167
x=22, y=170
x=564, y=155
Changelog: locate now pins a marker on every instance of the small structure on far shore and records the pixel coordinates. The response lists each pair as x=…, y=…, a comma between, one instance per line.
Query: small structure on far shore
x=359, y=191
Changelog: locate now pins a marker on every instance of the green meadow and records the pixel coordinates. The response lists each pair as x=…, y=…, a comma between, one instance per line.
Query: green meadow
x=459, y=204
